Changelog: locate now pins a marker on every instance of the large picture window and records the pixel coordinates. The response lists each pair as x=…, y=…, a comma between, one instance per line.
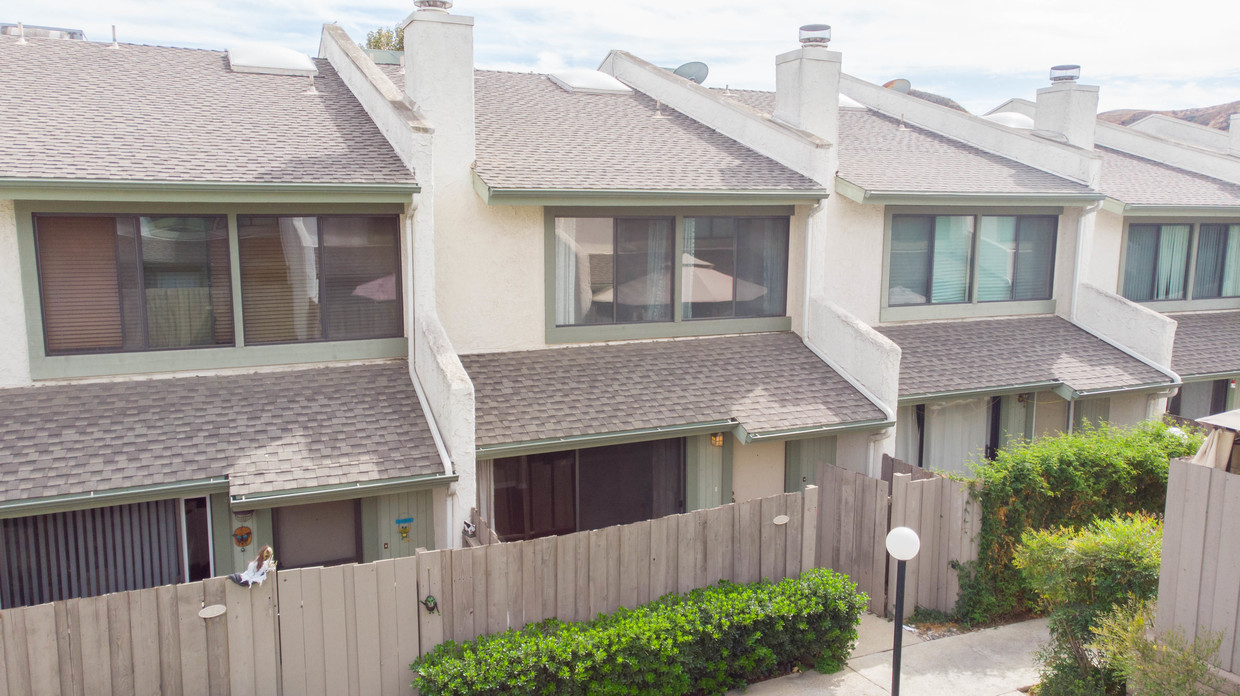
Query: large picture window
x=129, y=283
x=613, y=270
x=1218, y=262
x=952, y=259
x=1156, y=262
x=319, y=278
x=735, y=267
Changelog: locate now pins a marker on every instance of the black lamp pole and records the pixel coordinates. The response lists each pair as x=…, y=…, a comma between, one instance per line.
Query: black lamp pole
x=899, y=639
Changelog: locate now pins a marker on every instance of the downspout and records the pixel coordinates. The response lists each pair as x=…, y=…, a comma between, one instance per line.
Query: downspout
x=1086, y=213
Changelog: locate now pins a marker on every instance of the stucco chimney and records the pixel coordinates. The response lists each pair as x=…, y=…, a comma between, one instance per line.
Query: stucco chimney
x=1067, y=108
x=1233, y=131
x=807, y=85
x=439, y=75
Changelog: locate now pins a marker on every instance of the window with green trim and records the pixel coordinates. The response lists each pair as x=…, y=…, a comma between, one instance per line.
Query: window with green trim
x=955, y=259
x=1181, y=261
x=621, y=269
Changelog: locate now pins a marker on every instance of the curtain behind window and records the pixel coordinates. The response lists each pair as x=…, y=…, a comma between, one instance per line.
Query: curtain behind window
x=953, y=250
x=361, y=293
x=761, y=267
x=1139, y=260
x=908, y=272
x=996, y=258
x=956, y=434
x=643, y=288
x=1172, y=262
x=1035, y=258
x=908, y=435
x=1231, y=263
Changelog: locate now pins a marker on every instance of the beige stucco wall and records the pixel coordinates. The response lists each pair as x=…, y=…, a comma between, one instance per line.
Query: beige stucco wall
x=14, y=355
x=757, y=470
x=1129, y=409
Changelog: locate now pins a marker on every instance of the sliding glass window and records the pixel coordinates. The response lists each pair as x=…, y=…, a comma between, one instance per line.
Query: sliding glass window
x=1218, y=262
x=937, y=259
x=133, y=283
x=735, y=267
x=613, y=270
x=319, y=278
x=1156, y=262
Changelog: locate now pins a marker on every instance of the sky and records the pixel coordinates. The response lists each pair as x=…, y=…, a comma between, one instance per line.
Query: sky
x=978, y=52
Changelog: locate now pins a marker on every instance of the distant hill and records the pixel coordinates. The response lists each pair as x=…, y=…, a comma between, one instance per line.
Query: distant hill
x=936, y=99
x=1211, y=116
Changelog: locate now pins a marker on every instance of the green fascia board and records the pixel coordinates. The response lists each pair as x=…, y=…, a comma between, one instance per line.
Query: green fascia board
x=860, y=194
x=747, y=437
x=344, y=491
x=1209, y=376
x=1150, y=386
x=914, y=399
x=120, y=496
x=206, y=192
x=603, y=439
x=644, y=197
x=1145, y=211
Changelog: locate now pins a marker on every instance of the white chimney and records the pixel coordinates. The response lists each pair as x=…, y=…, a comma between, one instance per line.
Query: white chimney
x=439, y=77
x=807, y=85
x=1233, y=132
x=1067, y=109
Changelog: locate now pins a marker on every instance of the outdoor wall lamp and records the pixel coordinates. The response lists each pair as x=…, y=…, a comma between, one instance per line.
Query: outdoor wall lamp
x=903, y=545
x=716, y=439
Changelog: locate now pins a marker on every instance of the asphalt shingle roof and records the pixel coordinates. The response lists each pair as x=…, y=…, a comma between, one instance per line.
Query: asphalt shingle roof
x=878, y=156
x=81, y=110
x=766, y=382
x=1139, y=181
x=532, y=134
x=1206, y=343
x=268, y=431
x=947, y=356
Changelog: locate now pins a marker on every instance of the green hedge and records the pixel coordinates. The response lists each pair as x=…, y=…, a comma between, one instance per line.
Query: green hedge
x=1068, y=480
x=706, y=641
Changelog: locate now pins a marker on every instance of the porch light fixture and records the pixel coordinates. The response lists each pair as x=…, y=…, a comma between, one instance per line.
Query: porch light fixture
x=815, y=35
x=1065, y=73
x=903, y=545
x=716, y=439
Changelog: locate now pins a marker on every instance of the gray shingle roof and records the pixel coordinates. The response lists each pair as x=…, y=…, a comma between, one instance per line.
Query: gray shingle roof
x=1206, y=343
x=1139, y=181
x=948, y=356
x=876, y=155
x=268, y=431
x=82, y=110
x=531, y=134
x=766, y=382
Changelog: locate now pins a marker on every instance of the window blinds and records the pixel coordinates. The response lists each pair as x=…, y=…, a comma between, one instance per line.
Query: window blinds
x=79, y=285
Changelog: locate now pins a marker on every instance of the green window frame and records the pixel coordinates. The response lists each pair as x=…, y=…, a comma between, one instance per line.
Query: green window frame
x=677, y=324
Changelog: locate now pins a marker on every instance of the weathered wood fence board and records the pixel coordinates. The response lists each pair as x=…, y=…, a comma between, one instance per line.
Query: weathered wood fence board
x=1200, y=572
x=145, y=642
x=948, y=521
x=852, y=529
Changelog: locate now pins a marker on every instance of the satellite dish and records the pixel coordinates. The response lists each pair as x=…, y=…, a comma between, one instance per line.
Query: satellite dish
x=694, y=71
x=900, y=85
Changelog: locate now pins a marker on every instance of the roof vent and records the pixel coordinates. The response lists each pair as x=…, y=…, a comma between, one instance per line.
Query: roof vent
x=26, y=31
x=1065, y=73
x=589, y=82
x=815, y=35
x=270, y=60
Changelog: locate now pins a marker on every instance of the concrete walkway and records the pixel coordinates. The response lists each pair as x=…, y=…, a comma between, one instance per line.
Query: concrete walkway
x=990, y=662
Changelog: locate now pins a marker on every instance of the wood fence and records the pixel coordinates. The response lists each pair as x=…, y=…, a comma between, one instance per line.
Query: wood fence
x=353, y=630
x=144, y=642
x=1200, y=572
x=857, y=512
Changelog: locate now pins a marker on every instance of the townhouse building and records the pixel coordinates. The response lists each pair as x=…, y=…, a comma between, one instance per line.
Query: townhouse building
x=334, y=304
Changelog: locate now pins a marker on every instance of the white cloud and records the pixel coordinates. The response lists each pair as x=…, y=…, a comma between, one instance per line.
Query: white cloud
x=1141, y=53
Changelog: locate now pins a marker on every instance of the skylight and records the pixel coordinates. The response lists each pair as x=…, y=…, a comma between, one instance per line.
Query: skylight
x=1011, y=120
x=270, y=60
x=589, y=82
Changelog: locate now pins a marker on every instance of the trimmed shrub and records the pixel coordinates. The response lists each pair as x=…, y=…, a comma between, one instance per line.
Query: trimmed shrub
x=1081, y=577
x=1068, y=480
x=706, y=641
x=1172, y=666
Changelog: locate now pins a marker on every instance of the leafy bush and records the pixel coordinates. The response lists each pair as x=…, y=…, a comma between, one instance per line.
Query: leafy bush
x=1068, y=480
x=1080, y=577
x=705, y=641
x=1170, y=667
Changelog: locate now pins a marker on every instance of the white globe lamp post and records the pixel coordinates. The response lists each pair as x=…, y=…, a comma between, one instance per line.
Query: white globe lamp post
x=903, y=545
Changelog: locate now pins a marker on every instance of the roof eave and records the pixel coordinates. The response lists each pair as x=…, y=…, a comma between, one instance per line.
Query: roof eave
x=343, y=491
x=121, y=496
x=205, y=191
x=616, y=437
x=643, y=197
x=747, y=437
x=1139, y=210
x=859, y=194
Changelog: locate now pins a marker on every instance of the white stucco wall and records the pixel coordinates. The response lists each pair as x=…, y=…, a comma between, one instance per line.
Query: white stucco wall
x=14, y=355
x=1138, y=329
x=852, y=257
x=1129, y=409
x=757, y=470
x=1103, y=270
x=853, y=451
x=1065, y=260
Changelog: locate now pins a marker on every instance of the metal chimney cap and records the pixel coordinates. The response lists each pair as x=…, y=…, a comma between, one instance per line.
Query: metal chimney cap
x=815, y=35
x=1065, y=73
x=434, y=5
